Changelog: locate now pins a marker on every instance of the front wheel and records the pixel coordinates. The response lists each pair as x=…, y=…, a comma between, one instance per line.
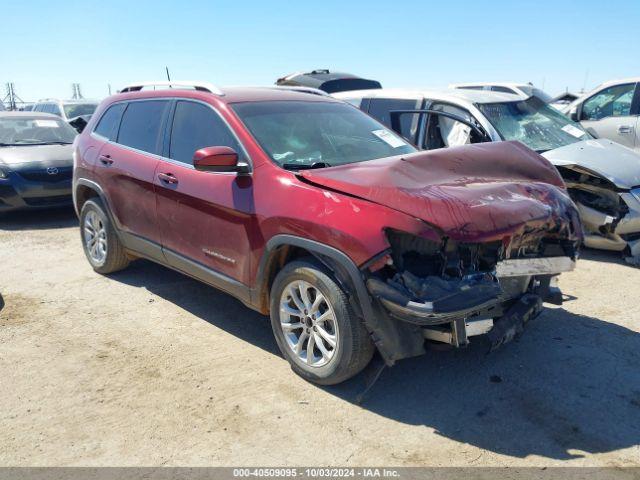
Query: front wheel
x=315, y=327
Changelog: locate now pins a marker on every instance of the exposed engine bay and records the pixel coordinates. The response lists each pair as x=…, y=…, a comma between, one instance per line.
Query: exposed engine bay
x=610, y=215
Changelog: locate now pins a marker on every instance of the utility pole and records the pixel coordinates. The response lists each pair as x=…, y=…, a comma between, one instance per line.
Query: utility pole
x=11, y=98
x=77, y=93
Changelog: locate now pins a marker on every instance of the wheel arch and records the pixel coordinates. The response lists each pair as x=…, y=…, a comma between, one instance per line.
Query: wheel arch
x=281, y=249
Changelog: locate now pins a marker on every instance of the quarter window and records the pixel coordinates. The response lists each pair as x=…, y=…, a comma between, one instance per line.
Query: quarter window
x=610, y=102
x=140, y=126
x=108, y=124
x=196, y=126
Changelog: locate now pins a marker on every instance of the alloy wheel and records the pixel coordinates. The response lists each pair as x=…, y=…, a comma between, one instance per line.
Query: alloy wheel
x=95, y=237
x=308, y=323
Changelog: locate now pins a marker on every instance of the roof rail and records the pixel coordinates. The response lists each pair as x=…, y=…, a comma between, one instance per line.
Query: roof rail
x=199, y=86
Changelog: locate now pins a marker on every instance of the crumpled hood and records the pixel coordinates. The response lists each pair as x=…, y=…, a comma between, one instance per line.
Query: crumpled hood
x=17, y=158
x=613, y=161
x=473, y=193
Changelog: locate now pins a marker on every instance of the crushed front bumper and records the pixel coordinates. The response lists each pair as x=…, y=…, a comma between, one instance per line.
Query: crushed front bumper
x=468, y=300
x=605, y=232
x=498, y=305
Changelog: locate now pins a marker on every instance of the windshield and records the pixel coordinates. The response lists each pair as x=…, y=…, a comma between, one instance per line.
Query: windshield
x=534, y=123
x=72, y=110
x=298, y=134
x=34, y=131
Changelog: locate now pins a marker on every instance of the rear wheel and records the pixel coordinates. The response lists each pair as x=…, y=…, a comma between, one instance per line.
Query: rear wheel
x=315, y=327
x=99, y=239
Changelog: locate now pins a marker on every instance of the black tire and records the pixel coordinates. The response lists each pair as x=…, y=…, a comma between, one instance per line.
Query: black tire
x=116, y=258
x=354, y=347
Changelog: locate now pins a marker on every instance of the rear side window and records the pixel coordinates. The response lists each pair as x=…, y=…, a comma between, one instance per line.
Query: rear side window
x=108, y=124
x=196, y=126
x=140, y=126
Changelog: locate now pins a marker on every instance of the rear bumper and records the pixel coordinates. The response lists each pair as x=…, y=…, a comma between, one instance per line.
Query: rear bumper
x=17, y=193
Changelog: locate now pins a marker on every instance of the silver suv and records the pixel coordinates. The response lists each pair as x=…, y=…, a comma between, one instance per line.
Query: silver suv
x=67, y=109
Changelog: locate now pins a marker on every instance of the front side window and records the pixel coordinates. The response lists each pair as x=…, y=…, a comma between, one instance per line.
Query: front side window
x=610, y=102
x=196, y=126
x=108, y=124
x=380, y=108
x=16, y=131
x=72, y=110
x=140, y=125
x=299, y=134
x=534, y=123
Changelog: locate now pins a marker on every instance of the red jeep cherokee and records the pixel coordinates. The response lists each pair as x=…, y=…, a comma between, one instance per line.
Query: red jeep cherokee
x=305, y=208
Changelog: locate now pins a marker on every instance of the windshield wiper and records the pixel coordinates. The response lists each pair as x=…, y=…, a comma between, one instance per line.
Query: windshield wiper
x=302, y=166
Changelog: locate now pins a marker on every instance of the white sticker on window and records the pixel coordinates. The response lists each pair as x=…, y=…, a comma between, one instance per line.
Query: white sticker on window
x=389, y=138
x=47, y=123
x=571, y=130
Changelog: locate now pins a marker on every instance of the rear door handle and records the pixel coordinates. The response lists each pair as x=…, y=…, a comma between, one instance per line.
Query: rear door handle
x=625, y=129
x=106, y=160
x=167, y=178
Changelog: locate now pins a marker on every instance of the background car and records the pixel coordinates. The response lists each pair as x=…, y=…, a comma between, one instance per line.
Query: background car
x=612, y=110
x=36, y=163
x=327, y=81
x=523, y=90
x=68, y=110
x=602, y=176
x=2, y=109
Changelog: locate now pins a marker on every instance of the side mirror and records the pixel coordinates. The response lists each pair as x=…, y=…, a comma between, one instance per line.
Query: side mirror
x=218, y=159
x=573, y=114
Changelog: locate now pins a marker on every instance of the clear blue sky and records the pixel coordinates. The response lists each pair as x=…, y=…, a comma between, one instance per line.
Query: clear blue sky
x=47, y=45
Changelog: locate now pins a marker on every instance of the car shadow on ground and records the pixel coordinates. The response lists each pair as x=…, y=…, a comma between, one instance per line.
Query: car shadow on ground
x=604, y=256
x=569, y=386
x=38, y=219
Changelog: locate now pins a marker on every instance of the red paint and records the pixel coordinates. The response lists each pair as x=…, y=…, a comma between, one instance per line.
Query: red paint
x=215, y=157
x=473, y=193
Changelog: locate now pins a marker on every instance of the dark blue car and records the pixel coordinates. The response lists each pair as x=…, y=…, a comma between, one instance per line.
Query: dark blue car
x=36, y=161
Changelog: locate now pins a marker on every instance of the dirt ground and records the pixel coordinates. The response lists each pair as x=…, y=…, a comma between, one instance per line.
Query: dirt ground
x=148, y=367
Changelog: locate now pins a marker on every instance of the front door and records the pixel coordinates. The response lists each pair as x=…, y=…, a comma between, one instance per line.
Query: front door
x=608, y=114
x=204, y=217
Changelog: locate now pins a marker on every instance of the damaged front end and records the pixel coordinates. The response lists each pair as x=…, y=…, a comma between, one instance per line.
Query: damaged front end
x=610, y=215
x=450, y=291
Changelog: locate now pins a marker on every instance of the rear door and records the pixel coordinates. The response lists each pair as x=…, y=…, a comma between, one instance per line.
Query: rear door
x=203, y=216
x=126, y=171
x=608, y=114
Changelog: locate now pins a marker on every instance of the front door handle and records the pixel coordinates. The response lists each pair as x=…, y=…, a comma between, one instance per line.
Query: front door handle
x=625, y=129
x=106, y=160
x=167, y=178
